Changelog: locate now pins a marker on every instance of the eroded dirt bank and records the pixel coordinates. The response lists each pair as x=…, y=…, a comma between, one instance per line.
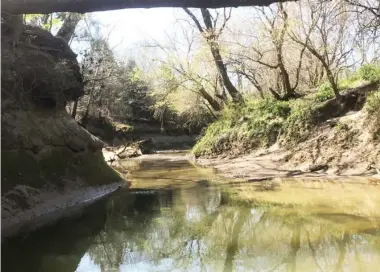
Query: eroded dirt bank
x=271, y=164
x=50, y=165
x=340, y=147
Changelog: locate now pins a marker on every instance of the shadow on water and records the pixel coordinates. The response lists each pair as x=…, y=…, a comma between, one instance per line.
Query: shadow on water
x=194, y=228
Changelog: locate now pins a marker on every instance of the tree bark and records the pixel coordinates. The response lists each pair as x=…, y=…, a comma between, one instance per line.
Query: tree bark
x=67, y=30
x=85, y=117
x=75, y=107
x=213, y=103
x=210, y=36
x=333, y=83
x=50, y=6
x=235, y=94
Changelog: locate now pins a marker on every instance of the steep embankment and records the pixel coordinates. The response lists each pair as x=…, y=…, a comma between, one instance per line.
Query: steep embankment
x=50, y=165
x=269, y=138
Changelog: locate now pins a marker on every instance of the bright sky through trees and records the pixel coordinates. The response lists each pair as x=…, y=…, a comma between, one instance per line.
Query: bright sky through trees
x=130, y=27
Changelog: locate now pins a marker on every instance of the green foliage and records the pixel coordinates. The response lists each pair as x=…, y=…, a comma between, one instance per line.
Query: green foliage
x=258, y=123
x=372, y=107
x=352, y=81
x=46, y=21
x=215, y=134
x=297, y=126
x=325, y=92
x=195, y=119
x=373, y=103
x=370, y=72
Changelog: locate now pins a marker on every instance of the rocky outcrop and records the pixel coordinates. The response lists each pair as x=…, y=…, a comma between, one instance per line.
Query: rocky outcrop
x=49, y=163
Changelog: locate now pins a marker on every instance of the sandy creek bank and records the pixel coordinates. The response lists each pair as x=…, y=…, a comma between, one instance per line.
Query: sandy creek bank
x=272, y=163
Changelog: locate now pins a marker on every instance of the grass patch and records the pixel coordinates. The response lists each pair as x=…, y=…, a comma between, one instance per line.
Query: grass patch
x=372, y=105
x=257, y=124
x=297, y=126
x=353, y=81
x=261, y=122
x=324, y=92
x=370, y=72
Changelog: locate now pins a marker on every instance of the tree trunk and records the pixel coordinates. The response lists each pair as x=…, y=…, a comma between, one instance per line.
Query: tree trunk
x=85, y=117
x=75, y=107
x=333, y=83
x=256, y=84
x=50, y=6
x=213, y=103
x=289, y=90
x=275, y=94
x=211, y=37
x=236, y=96
x=67, y=30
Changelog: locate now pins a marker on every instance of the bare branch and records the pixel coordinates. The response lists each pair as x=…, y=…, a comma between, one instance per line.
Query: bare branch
x=192, y=16
x=226, y=18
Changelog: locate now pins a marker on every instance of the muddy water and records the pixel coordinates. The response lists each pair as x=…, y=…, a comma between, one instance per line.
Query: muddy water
x=175, y=219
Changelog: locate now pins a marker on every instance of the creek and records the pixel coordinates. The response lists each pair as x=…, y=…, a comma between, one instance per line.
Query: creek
x=179, y=217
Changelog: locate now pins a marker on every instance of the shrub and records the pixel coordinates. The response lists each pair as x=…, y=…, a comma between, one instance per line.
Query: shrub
x=325, y=92
x=370, y=72
x=373, y=103
x=372, y=107
x=297, y=126
x=215, y=133
x=259, y=122
x=352, y=81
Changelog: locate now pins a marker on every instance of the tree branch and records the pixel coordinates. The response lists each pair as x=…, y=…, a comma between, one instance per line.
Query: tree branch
x=196, y=21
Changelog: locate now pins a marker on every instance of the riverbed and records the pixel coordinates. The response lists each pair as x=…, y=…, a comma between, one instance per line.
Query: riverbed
x=180, y=217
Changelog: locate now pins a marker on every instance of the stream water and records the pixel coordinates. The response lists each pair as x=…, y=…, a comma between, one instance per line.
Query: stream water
x=174, y=219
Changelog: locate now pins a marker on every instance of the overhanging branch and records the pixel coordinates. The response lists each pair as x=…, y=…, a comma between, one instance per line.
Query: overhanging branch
x=83, y=6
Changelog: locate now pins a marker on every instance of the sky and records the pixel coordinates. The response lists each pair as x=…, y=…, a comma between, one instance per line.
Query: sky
x=130, y=27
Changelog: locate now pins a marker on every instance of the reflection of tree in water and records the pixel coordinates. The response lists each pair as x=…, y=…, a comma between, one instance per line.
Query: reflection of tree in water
x=196, y=229
x=129, y=215
x=232, y=247
x=59, y=248
x=144, y=227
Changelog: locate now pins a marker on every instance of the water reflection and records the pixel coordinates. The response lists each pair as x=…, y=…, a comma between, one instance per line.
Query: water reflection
x=197, y=229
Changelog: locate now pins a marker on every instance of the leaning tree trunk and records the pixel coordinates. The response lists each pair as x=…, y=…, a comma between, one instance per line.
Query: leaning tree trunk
x=333, y=83
x=235, y=94
x=91, y=98
x=213, y=103
x=67, y=30
x=75, y=107
x=215, y=51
